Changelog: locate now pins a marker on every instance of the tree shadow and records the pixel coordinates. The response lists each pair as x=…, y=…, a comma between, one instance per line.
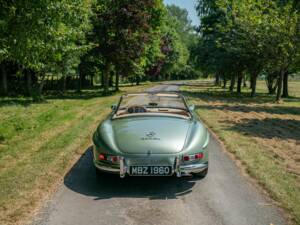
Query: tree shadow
x=216, y=93
x=84, y=95
x=268, y=128
x=228, y=97
x=82, y=179
x=200, y=84
x=282, y=110
x=15, y=101
x=53, y=95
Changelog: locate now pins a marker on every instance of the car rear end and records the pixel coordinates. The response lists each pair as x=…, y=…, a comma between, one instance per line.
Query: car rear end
x=152, y=165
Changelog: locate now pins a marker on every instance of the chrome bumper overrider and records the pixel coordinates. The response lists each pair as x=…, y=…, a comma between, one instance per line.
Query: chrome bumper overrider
x=179, y=169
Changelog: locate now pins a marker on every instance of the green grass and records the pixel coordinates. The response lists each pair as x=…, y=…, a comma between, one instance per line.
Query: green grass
x=40, y=141
x=263, y=135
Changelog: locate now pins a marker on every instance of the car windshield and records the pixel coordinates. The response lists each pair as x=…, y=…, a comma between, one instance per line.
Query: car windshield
x=152, y=103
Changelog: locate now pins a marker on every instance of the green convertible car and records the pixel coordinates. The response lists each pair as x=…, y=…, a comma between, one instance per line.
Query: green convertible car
x=151, y=134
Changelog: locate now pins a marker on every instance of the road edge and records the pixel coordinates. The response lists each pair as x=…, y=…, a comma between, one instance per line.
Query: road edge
x=251, y=180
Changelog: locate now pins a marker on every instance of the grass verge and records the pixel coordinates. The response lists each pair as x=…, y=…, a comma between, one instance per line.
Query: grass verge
x=263, y=135
x=39, y=142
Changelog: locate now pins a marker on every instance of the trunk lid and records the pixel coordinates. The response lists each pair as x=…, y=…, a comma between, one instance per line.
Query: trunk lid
x=155, y=135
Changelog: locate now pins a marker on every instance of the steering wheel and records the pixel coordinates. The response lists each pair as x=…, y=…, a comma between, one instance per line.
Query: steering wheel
x=136, y=109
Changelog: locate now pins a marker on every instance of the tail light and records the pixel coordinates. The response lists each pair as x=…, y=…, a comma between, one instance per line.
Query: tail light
x=113, y=159
x=199, y=155
x=102, y=157
x=109, y=158
x=186, y=158
x=193, y=157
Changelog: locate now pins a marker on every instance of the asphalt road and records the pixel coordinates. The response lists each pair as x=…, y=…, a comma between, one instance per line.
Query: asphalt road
x=223, y=197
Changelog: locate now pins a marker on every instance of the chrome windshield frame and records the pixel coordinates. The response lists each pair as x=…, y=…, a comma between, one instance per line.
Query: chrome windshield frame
x=155, y=93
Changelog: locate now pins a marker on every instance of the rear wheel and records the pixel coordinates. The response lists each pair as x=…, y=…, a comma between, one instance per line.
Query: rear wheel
x=201, y=174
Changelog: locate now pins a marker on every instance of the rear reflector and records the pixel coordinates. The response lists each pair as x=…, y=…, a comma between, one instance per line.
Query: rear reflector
x=114, y=158
x=196, y=156
x=109, y=158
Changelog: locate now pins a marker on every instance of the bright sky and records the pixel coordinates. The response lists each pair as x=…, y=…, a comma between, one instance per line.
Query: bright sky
x=189, y=5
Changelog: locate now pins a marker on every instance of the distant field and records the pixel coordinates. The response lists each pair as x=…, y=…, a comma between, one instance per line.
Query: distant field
x=39, y=142
x=263, y=135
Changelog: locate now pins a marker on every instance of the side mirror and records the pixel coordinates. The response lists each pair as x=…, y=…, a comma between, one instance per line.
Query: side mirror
x=113, y=107
x=192, y=107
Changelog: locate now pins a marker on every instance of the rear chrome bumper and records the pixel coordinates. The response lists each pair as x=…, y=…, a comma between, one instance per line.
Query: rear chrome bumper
x=190, y=169
x=178, y=169
x=106, y=168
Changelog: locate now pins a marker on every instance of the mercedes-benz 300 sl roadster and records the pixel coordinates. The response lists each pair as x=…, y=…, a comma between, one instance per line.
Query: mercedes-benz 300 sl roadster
x=151, y=134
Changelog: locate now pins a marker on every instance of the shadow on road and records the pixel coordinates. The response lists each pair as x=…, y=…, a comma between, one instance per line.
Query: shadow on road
x=82, y=179
x=268, y=128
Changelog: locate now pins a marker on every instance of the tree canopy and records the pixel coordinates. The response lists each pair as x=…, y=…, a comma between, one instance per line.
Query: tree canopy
x=249, y=37
x=55, y=43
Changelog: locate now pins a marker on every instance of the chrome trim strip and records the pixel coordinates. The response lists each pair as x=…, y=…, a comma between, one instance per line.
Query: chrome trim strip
x=193, y=168
x=106, y=168
x=179, y=169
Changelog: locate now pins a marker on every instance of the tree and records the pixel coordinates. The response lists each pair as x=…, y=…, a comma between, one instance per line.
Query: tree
x=249, y=36
x=44, y=40
x=122, y=29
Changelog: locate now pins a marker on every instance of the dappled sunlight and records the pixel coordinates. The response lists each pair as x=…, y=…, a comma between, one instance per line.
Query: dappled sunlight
x=275, y=127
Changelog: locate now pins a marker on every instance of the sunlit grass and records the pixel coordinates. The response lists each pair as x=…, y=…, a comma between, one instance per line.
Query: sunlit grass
x=40, y=141
x=262, y=134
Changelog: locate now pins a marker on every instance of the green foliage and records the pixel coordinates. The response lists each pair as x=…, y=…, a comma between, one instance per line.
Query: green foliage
x=170, y=52
x=40, y=34
x=48, y=43
x=46, y=37
x=249, y=36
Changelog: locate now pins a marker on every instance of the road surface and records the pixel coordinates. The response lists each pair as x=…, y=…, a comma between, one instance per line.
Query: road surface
x=223, y=197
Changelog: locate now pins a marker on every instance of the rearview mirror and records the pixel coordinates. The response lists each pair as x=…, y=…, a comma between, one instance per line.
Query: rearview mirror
x=113, y=107
x=192, y=107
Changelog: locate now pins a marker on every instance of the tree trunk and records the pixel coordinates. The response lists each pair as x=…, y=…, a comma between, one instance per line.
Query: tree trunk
x=91, y=81
x=244, y=81
x=253, y=84
x=3, y=87
x=224, y=82
x=111, y=83
x=52, y=82
x=40, y=87
x=272, y=82
x=138, y=79
x=63, y=84
x=106, y=78
x=28, y=83
x=117, y=81
x=217, y=80
x=272, y=88
x=232, y=83
x=239, y=83
x=79, y=86
x=285, y=93
x=280, y=83
x=102, y=79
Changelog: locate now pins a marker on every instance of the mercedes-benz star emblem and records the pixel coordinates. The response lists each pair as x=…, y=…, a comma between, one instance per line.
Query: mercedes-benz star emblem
x=150, y=134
